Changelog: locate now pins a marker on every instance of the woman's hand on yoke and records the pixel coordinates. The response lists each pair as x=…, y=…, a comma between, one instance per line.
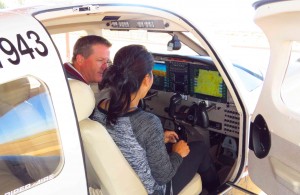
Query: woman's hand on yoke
x=181, y=148
x=170, y=136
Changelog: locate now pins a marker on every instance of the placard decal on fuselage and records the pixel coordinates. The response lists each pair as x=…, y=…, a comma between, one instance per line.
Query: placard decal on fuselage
x=14, y=52
x=30, y=185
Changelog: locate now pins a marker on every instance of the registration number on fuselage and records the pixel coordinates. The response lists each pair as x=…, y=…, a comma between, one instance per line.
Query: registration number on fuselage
x=28, y=44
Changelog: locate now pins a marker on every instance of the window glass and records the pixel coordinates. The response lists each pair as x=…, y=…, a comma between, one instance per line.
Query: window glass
x=65, y=43
x=155, y=42
x=291, y=85
x=30, y=150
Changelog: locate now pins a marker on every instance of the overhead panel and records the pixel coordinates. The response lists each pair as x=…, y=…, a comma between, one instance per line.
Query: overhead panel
x=137, y=24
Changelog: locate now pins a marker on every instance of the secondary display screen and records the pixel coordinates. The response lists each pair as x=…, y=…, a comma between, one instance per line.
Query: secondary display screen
x=160, y=78
x=207, y=83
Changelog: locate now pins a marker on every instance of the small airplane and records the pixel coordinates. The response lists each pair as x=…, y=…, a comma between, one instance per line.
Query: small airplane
x=48, y=145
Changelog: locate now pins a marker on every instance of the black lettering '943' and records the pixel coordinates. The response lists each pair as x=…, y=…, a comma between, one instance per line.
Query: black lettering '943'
x=13, y=52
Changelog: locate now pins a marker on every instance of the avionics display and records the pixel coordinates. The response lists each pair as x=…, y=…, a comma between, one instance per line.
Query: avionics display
x=207, y=83
x=179, y=77
x=160, y=76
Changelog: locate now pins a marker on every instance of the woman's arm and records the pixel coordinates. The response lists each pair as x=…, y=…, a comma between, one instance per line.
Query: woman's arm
x=150, y=135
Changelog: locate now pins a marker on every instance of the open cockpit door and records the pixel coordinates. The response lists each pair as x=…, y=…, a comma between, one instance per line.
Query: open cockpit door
x=40, y=149
x=274, y=160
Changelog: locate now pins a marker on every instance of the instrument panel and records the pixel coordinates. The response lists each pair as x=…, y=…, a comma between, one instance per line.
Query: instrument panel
x=196, y=79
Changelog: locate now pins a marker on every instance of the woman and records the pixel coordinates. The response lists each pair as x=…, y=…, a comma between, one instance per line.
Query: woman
x=139, y=134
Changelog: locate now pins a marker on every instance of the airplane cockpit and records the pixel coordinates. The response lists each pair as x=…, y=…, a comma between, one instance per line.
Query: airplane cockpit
x=207, y=85
x=191, y=94
x=198, y=82
x=196, y=92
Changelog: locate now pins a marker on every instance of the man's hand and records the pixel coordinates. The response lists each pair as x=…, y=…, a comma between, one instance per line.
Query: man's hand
x=171, y=137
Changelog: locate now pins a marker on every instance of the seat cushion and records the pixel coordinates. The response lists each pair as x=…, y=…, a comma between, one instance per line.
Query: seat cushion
x=115, y=174
x=193, y=187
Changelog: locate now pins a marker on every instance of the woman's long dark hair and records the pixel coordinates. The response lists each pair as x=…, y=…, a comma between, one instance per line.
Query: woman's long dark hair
x=131, y=64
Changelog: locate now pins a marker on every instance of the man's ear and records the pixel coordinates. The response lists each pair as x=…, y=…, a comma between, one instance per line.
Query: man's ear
x=79, y=59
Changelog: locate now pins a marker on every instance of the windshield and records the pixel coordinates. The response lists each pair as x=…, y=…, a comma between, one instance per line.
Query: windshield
x=156, y=42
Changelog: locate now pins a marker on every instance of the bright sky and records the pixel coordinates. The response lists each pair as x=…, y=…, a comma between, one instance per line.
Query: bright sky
x=39, y=119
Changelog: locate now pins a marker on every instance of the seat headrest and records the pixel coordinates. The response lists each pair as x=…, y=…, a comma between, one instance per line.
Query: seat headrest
x=83, y=97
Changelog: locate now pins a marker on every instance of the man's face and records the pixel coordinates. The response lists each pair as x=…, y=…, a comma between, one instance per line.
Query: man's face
x=95, y=64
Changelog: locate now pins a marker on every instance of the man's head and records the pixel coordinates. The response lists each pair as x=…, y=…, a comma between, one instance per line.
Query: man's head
x=90, y=57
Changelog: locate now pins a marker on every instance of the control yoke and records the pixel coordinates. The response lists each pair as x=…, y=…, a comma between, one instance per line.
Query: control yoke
x=196, y=114
x=174, y=101
x=203, y=116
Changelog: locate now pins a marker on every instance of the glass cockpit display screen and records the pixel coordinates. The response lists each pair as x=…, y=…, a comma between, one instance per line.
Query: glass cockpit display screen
x=207, y=83
x=160, y=76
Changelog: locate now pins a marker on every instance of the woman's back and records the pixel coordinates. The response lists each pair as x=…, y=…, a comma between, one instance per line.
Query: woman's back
x=143, y=147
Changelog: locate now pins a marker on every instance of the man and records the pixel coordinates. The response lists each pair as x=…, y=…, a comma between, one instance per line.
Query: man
x=90, y=59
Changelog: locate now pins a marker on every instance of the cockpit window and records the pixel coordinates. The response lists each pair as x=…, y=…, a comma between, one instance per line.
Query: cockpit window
x=155, y=42
x=30, y=150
